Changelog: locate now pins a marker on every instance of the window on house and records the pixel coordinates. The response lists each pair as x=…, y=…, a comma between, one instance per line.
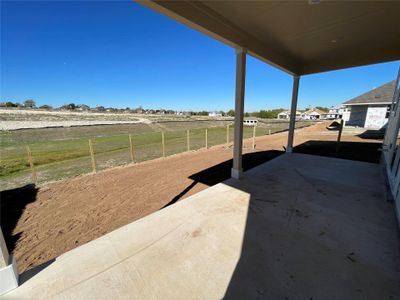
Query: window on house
x=387, y=112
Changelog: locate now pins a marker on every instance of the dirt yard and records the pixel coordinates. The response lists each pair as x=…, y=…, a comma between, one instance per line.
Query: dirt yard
x=42, y=223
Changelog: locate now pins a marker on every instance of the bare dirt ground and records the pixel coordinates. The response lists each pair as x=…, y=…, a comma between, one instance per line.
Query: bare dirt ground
x=42, y=223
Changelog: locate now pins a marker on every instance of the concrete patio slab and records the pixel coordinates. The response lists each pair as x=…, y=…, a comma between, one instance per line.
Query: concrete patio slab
x=297, y=227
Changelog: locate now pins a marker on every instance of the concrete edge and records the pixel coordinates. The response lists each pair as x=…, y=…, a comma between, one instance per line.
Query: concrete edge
x=9, y=276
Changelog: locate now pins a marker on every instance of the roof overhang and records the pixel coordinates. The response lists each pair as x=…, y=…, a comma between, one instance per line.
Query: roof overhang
x=298, y=37
x=375, y=103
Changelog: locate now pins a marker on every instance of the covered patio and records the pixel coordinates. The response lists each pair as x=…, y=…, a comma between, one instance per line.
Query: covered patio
x=298, y=37
x=278, y=232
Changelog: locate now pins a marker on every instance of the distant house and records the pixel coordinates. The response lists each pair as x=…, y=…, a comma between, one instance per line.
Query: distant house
x=286, y=115
x=160, y=111
x=312, y=114
x=138, y=110
x=371, y=109
x=82, y=107
x=339, y=112
x=70, y=106
x=215, y=114
x=250, y=122
x=98, y=108
x=182, y=113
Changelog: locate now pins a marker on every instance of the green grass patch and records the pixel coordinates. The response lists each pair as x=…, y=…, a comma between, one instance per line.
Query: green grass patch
x=60, y=153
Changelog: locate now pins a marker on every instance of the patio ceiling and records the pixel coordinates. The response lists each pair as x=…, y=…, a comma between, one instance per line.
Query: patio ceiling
x=297, y=37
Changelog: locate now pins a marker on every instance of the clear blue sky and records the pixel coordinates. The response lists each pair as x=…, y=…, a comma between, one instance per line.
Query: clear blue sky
x=122, y=54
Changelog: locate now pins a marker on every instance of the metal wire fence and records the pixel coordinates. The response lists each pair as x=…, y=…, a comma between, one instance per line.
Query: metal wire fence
x=57, y=159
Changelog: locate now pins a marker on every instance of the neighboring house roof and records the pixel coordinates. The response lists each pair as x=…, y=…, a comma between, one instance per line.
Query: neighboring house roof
x=335, y=109
x=287, y=112
x=312, y=111
x=380, y=95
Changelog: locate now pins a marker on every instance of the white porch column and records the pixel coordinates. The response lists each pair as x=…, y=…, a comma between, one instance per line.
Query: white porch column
x=237, y=170
x=295, y=92
x=3, y=251
x=8, y=268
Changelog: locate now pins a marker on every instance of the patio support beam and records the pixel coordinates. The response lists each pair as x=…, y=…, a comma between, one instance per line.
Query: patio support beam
x=293, y=109
x=237, y=170
x=3, y=251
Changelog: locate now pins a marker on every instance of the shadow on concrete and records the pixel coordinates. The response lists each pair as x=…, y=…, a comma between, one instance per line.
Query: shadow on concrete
x=222, y=171
x=300, y=240
x=371, y=134
x=364, y=151
x=311, y=234
x=284, y=252
x=359, y=151
x=24, y=277
x=12, y=206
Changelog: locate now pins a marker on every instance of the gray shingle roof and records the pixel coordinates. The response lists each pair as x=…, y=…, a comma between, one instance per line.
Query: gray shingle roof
x=380, y=95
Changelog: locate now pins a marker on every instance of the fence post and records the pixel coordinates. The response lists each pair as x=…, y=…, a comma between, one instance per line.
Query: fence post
x=188, y=140
x=254, y=137
x=339, y=137
x=30, y=159
x=269, y=131
x=131, y=147
x=163, y=143
x=227, y=134
x=92, y=156
x=206, y=138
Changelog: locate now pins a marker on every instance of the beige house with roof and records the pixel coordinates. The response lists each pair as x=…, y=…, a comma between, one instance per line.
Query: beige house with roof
x=285, y=115
x=312, y=114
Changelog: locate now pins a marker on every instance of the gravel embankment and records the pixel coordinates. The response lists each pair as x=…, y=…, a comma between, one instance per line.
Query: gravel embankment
x=25, y=119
